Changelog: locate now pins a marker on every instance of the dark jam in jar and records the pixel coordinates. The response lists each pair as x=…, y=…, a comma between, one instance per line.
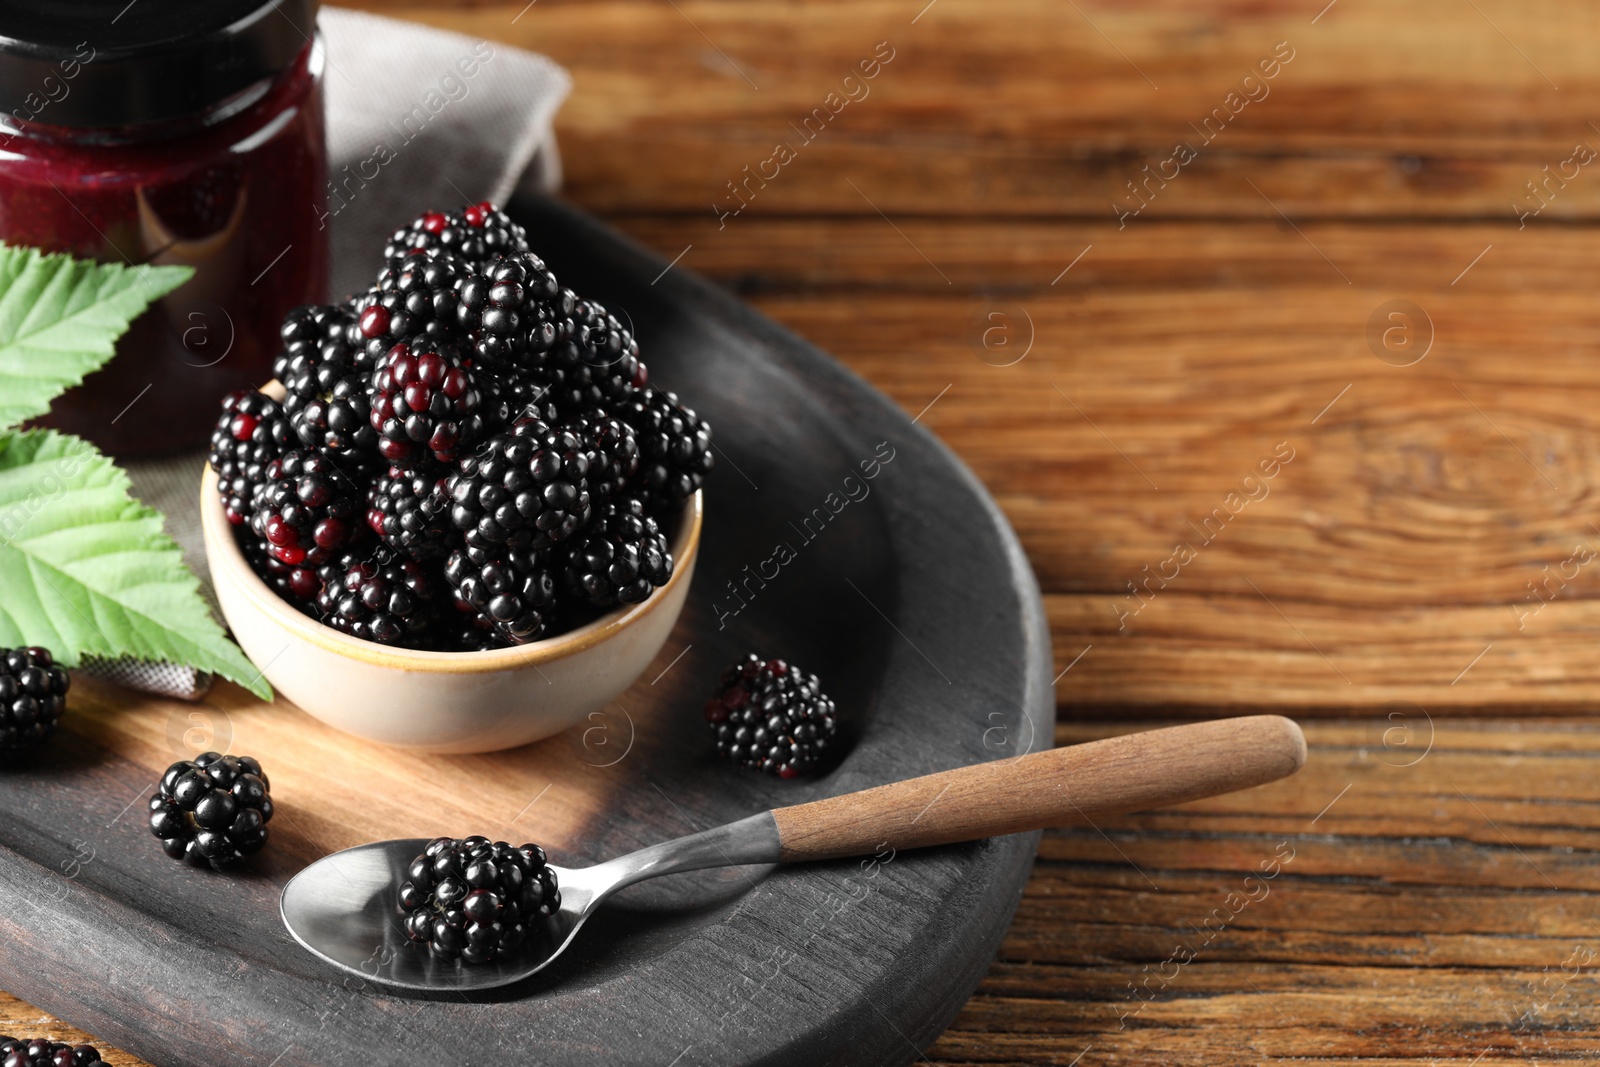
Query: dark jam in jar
x=182, y=132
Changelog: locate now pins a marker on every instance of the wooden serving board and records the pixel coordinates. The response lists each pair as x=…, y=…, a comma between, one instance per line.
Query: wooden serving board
x=906, y=592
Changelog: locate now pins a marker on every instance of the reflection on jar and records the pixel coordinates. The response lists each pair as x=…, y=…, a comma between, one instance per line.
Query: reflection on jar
x=235, y=191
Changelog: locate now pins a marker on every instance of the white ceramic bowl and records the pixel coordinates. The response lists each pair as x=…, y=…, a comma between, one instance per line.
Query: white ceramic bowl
x=441, y=701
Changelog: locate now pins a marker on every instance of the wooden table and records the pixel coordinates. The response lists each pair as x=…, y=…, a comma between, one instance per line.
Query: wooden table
x=1244, y=484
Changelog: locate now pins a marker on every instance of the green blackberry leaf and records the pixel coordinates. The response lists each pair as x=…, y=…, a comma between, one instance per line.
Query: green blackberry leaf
x=85, y=569
x=59, y=320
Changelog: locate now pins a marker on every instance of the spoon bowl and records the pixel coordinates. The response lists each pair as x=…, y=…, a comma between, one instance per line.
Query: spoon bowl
x=344, y=907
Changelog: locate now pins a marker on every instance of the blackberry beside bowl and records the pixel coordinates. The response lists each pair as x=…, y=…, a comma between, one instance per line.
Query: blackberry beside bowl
x=442, y=701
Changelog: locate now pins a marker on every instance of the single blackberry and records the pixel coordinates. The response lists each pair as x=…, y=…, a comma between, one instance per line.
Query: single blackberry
x=42, y=1052
x=325, y=377
x=251, y=432
x=33, y=694
x=307, y=329
x=477, y=901
x=593, y=362
x=514, y=593
x=299, y=585
x=410, y=511
x=212, y=810
x=307, y=510
x=389, y=601
x=425, y=404
x=613, y=453
x=526, y=489
x=414, y=297
x=607, y=349
x=513, y=309
x=771, y=716
x=674, y=445
x=337, y=420
x=475, y=234
x=621, y=558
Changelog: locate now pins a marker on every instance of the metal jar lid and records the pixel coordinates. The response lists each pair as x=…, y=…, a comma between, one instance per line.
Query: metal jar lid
x=114, y=63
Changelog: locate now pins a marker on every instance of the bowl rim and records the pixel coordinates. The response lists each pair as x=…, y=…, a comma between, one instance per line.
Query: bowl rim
x=223, y=553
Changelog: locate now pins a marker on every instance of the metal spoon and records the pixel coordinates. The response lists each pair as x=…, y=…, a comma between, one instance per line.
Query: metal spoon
x=343, y=907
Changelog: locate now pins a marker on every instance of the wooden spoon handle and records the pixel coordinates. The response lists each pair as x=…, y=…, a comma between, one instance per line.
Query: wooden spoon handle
x=1062, y=787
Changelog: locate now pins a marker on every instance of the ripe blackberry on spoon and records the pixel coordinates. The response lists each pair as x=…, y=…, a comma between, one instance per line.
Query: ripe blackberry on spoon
x=33, y=694
x=212, y=810
x=475, y=900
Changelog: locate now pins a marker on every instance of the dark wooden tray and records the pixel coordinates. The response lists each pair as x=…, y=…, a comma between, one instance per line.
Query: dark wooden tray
x=913, y=602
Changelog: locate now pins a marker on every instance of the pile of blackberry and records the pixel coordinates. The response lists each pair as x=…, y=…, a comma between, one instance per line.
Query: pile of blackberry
x=41, y=1052
x=468, y=455
x=771, y=716
x=476, y=900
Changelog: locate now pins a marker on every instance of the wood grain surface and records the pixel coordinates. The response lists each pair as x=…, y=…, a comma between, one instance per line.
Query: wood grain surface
x=1414, y=584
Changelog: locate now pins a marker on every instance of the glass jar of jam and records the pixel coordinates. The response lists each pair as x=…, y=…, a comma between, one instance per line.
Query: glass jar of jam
x=170, y=132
